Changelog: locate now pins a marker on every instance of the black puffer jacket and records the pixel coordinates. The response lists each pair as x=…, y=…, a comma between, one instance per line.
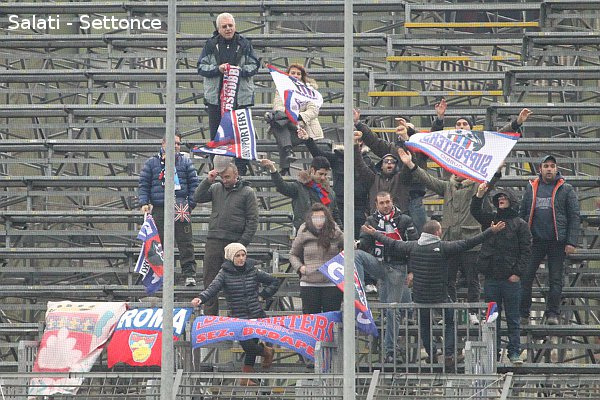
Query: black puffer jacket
x=428, y=262
x=241, y=286
x=508, y=252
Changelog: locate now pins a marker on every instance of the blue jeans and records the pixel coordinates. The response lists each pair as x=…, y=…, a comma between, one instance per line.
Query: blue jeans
x=507, y=296
x=425, y=326
x=392, y=289
x=555, y=266
x=417, y=212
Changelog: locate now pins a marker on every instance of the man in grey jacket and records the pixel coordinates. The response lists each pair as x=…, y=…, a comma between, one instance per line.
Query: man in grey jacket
x=551, y=207
x=234, y=218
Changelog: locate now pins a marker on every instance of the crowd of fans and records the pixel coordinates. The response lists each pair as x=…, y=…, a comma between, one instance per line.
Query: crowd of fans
x=410, y=257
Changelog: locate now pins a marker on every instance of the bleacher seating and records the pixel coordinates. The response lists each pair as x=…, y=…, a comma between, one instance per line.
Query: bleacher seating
x=82, y=111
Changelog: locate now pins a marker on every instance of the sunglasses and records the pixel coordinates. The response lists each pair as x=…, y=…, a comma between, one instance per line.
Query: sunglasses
x=389, y=161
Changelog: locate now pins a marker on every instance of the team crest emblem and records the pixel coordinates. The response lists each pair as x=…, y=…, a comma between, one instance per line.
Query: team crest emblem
x=141, y=345
x=470, y=140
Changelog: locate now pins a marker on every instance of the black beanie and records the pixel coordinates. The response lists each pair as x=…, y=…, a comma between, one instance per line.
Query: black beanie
x=469, y=121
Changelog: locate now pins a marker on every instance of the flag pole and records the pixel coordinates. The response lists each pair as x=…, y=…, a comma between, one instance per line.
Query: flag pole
x=349, y=314
x=167, y=358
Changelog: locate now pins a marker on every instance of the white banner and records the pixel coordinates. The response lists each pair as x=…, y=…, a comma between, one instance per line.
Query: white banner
x=294, y=93
x=475, y=155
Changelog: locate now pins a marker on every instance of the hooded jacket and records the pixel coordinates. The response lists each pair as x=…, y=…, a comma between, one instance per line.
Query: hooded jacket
x=397, y=184
x=507, y=252
x=303, y=197
x=234, y=215
x=208, y=67
x=151, y=190
x=565, y=209
x=306, y=251
x=428, y=262
x=242, y=288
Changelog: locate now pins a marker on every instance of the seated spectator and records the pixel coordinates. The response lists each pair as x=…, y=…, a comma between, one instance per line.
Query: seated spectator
x=284, y=130
x=240, y=279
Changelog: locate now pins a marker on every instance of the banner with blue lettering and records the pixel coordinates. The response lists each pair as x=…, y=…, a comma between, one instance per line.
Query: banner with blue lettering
x=334, y=270
x=474, y=155
x=235, y=138
x=294, y=93
x=298, y=333
x=137, y=339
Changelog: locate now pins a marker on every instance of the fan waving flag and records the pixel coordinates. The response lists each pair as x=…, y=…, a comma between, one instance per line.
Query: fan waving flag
x=235, y=138
x=474, y=155
x=294, y=93
x=150, y=260
x=334, y=271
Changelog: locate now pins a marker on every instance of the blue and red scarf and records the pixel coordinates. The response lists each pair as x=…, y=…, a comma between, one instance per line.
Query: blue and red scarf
x=321, y=192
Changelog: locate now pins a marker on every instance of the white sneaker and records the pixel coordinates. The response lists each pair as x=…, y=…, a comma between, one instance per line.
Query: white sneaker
x=190, y=281
x=370, y=288
x=473, y=319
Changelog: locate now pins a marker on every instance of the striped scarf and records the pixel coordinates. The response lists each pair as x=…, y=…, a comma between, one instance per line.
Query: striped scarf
x=321, y=192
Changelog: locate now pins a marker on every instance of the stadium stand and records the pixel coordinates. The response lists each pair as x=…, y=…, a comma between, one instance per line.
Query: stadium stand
x=82, y=110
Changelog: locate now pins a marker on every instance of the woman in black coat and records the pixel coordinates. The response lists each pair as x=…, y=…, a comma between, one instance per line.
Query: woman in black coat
x=240, y=280
x=502, y=259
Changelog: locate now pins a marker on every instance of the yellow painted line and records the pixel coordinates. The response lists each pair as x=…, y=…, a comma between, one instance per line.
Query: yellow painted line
x=433, y=202
x=531, y=24
x=452, y=58
x=445, y=93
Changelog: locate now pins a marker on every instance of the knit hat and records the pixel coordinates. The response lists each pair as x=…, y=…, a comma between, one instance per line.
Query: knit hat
x=469, y=121
x=222, y=162
x=232, y=249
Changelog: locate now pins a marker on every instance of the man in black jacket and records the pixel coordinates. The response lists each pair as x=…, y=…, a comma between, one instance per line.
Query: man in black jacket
x=428, y=274
x=502, y=260
x=551, y=208
x=387, y=267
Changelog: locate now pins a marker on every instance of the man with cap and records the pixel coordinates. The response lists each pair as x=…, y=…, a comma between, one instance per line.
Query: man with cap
x=151, y=197
x=234, y=217
x=551, y=208
x=311, y=187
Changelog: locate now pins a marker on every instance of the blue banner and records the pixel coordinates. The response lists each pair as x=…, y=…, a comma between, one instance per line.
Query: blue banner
x=150, y=259
x=298, y=333
x=334, y=270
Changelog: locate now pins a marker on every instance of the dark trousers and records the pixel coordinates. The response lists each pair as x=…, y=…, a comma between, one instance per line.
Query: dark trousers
x=183, y=240
x=507, y=296
x=466, y=264
x=555, y=251
x=320, y=299
x=214, y=120
x=425, y=329
x=285, y=136
x=252, y=348
x=214, y=256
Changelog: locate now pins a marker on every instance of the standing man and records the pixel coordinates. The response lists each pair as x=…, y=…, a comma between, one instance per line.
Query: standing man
x=234, y=218
x=388, y=267
x=551, y=208
x=227, y=48
x=151, y=197
x=428, y=272
x=502, y=260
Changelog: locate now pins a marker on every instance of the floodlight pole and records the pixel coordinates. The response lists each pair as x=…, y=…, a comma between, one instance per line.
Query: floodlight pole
x=349, y=314
x=167, y=358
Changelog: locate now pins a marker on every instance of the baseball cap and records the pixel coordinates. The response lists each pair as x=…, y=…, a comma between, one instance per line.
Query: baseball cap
x=547, y=158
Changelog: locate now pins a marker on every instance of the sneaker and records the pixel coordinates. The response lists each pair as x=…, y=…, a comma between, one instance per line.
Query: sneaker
x=552, y=320
x=190, y=281
x=473, y=319
x=389, y=359
x=370, y=288
x=524, y=321
x=515, y=359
